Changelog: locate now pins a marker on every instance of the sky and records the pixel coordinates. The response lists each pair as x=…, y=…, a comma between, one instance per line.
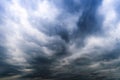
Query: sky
x=59, y=40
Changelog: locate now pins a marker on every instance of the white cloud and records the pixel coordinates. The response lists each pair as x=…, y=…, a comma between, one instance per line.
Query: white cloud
x=47, y=10
x=18, y=27
x=99, y=44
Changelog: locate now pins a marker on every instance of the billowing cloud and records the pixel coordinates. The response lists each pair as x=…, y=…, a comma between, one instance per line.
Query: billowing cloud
x=56, y=40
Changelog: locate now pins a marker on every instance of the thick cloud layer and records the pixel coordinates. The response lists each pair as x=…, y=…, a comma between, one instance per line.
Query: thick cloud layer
x=59, y=40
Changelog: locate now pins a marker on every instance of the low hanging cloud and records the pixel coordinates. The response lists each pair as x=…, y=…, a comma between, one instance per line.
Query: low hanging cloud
x=56, y=40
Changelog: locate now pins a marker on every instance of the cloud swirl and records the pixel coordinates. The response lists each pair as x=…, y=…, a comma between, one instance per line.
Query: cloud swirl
x=59, y=40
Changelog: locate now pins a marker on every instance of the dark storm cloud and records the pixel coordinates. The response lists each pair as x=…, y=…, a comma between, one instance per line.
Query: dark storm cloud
x=88, y=22
x=59, y=40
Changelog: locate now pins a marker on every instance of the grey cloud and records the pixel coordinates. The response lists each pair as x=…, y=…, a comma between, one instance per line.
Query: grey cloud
x=58, y=40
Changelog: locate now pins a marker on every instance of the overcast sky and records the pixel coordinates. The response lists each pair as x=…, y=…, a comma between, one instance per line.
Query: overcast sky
x=59, y=39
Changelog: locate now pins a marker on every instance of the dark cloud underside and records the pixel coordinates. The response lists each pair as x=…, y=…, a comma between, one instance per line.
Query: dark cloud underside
x=59, y=40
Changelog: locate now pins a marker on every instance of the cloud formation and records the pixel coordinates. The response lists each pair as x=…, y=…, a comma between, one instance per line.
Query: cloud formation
x=56, y=40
